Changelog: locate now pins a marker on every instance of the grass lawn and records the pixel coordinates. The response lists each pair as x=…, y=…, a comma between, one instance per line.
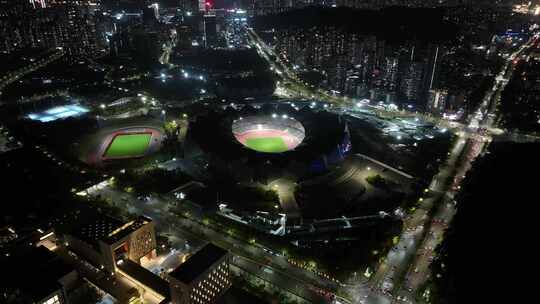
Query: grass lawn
x=267, y=144
x=127, y=145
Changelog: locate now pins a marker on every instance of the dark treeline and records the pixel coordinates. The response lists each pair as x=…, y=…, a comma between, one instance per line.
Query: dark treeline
x=485, y=254
x=397, y=24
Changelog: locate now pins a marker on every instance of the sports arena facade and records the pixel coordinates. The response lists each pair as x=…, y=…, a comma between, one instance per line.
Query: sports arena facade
x=268, y=141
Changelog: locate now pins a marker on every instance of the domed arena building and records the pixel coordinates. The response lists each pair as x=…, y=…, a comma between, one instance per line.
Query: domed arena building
x=259, y=143
x=269, y=134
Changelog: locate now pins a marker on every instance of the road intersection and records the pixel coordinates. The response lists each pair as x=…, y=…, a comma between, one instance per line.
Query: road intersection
x=406, y=266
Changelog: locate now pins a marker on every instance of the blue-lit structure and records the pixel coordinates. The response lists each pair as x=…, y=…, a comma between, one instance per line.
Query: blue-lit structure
x=59, y=112
x=335, y=156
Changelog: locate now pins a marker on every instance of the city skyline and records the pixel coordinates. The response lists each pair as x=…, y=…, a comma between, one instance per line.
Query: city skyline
x=267, y=151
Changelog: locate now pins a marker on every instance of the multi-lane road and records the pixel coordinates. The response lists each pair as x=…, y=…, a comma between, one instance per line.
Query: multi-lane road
x=193, y=232
x=406, y=266
x=13, y=76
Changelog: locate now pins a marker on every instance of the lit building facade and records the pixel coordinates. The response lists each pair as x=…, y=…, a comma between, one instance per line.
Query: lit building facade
x=411, y=82
x=437, y=101
x=203, y=278
x=105, y=241
x=49, y=24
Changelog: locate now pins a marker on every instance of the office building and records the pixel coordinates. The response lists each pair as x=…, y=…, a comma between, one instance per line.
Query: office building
x=203, y=278
x=437, y=101
x=105, y=241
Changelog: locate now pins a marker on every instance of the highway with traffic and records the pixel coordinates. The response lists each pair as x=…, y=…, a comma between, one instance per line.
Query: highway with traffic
x=402, y=272
x=406, y=267
x=191, y=229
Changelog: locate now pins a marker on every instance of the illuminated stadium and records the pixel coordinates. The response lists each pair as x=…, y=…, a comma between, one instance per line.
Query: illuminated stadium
x=59, y=112
x=268, y=134
x=122, y=140
x=128, y=145
x=270, y=140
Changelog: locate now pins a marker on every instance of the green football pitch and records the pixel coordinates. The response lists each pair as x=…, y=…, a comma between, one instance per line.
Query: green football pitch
x=128, y=145
x=267, y=144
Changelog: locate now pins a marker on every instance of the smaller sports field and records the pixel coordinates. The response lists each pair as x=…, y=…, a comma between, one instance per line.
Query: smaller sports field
x=267, y=144
x=128, y=145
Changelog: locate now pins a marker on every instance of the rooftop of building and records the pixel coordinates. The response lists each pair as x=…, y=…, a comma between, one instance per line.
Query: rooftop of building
x=198, y=263
x=34, y=272
x=145, y=277
x=126, y=229
x=100, y=227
